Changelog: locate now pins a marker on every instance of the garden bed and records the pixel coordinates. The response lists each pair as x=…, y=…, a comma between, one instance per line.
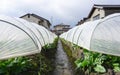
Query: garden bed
x=36, y=64
x=91, y=63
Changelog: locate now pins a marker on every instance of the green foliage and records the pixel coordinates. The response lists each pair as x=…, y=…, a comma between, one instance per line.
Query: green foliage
x=51, y=45
x=91, y=61
x=37, y=64
x=97, y=62
x=116, y=67
x=112, y=62
x=99, y=69
x=47, y=58
x=14, y=66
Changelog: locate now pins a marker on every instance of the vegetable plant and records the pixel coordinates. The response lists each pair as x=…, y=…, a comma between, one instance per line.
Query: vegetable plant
x=97, y=62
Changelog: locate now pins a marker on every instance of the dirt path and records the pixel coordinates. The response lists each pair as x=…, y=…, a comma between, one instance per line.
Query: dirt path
x=61, y=62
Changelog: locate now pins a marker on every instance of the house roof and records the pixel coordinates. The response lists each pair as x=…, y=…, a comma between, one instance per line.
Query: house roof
x=61, y=25
x=36, y=16
x=102, y=6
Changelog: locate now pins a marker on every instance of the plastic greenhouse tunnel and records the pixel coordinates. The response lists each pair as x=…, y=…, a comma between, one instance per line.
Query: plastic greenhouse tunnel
x=19, y=37
x=101, y=36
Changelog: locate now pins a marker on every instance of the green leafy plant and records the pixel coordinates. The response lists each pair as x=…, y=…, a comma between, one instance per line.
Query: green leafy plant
x=37, y=64
x=14, y=66
x=97, y=62
x=100, y=69
x=116, y=67
x=91, y=62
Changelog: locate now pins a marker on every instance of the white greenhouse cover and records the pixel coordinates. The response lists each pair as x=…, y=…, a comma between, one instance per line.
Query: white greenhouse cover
x=101, y=36
x=19, y=37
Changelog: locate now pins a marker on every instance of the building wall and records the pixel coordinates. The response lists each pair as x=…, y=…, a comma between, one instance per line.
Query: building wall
x=45, y=23
x=58, y=27
x=99, y=12
x=31, y=19
x=66, y=26
x=38, y=21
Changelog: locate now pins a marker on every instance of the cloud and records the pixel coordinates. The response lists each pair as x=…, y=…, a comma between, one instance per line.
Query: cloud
x=66, y=11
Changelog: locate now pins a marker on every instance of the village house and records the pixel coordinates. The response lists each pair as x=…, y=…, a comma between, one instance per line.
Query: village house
x=61, y=28
x=100, y=11
x=37, y=19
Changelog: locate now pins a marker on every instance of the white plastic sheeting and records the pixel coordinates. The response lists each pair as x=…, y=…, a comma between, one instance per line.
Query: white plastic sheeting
x=101, y=36
x=19, y=37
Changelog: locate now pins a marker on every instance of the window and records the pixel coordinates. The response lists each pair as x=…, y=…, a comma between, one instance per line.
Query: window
x=28, y=15
x=96, y=17
x=40, y=22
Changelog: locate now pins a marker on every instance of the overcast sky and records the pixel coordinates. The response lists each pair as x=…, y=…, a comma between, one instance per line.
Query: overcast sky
x=56, y=11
